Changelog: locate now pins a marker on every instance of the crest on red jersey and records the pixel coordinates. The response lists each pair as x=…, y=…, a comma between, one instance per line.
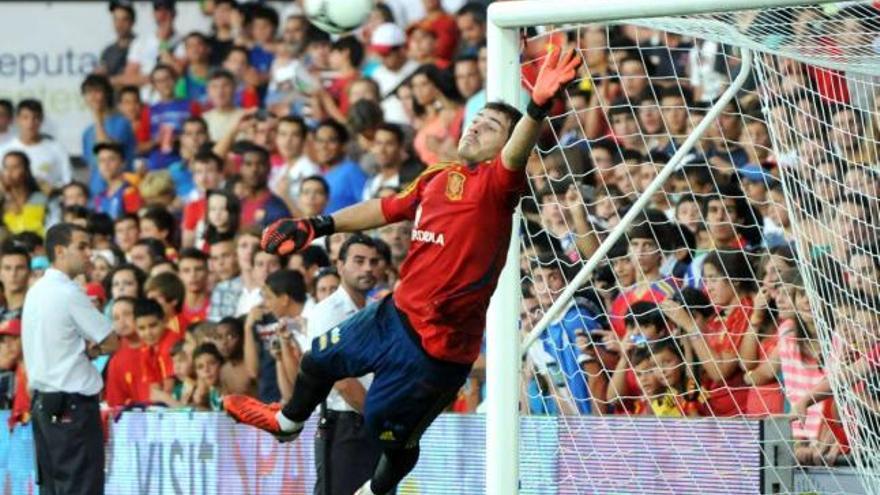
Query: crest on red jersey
x=455, y=185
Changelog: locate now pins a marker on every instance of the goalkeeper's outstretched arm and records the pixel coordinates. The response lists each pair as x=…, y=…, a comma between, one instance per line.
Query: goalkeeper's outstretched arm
x=290, y=235
x=557, y=71
x=362, y=216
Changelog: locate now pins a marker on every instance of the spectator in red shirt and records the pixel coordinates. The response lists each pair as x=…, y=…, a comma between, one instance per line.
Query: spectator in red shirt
x=444, y=27
x=124, y=380
x=129, y=104
x=207, y=174
x=716, y=344
x=167, y=289
x=346, y=55
x=193, y=265
x=157, y=368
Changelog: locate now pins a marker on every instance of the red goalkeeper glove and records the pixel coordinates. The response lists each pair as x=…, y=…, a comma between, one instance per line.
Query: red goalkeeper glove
x=557, y=71
x=290, y=235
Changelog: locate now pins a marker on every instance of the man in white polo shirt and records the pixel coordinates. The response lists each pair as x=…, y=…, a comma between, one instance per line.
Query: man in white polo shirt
x=345, y=453
x=62, y=331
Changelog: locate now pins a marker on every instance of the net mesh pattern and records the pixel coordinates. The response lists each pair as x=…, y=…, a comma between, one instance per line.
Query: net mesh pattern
x=749, y=289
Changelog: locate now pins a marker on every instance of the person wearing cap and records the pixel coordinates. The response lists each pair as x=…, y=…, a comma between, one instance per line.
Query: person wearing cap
x=114, y=55
x=59, y=342
x=389, y=42
x=120, y=196
x=163, y=45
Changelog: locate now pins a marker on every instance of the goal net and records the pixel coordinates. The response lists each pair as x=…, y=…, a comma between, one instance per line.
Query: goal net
x=729, y=342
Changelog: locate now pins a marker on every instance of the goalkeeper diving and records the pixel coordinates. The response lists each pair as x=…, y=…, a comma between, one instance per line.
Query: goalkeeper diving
x=420, y=342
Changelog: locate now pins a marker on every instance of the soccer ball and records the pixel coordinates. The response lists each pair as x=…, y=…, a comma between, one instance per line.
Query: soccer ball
x=338, y=16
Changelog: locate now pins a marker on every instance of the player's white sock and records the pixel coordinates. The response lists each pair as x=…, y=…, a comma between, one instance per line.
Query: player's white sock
x=288, y=425
x=365, y=490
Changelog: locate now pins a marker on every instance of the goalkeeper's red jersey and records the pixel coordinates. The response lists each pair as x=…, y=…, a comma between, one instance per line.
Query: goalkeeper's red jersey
x=461, y=230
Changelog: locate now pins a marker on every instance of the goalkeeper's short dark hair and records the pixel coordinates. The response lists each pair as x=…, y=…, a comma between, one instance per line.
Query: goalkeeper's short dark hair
x=513, y=115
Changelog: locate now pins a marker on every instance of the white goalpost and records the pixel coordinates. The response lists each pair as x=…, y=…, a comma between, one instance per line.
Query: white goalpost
x=834, y=301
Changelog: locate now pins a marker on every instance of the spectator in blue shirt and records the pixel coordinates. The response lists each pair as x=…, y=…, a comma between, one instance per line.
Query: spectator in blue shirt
x=166, y=115
x=108, y=126
x=568, y=337
x=264, y=25
x=344, y=176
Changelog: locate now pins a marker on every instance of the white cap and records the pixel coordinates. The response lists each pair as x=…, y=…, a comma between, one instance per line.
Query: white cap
x=387, y=36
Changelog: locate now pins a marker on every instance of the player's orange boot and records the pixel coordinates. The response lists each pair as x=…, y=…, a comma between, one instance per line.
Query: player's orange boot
x=250, y=411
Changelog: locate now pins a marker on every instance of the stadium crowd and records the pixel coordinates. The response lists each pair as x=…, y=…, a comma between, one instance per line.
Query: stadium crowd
x=199, y=140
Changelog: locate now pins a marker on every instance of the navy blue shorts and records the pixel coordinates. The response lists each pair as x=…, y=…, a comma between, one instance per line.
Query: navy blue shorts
x=410, y=388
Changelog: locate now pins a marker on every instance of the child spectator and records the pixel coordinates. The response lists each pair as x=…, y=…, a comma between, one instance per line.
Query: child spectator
x=716, y=343
x=157, y=368
x=207, y=174
x=207, y=362
x=644, y=325
x=103, y=262
x=645, y=242
x=264, y=24
x=193, y=139
x=678, y=397
x=119, y=196
x=133, y=109
x=167, y=289
x=221, y=217
x=193, y=267
x=184, y=380
x=234, y=375
x=125, y=383
x=125, y=280
x=245, y=79
x=650, y=387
